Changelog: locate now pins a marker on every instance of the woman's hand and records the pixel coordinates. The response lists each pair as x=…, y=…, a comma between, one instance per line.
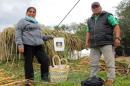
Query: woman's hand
x=21, y=50
x=50, y=37
x=46, y=38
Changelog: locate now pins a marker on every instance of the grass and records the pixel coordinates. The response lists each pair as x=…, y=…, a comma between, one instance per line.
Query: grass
x=76, y=75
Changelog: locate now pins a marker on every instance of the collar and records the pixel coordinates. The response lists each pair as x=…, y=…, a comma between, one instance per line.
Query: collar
x=30, y=19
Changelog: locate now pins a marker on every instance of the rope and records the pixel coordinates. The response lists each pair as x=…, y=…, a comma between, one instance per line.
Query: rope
x=68, y=13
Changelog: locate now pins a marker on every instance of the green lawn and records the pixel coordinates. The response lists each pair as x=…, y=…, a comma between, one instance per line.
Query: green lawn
x=76, y=74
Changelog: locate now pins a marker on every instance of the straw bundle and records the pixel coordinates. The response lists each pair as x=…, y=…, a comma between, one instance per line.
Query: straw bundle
x=9, y=49
x=7, y=44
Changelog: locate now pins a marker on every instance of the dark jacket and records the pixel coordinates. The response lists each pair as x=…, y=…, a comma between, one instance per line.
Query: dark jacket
x=101, y=32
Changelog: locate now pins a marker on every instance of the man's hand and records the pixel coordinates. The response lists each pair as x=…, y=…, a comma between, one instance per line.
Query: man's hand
x=21, y=50
x=117, y=43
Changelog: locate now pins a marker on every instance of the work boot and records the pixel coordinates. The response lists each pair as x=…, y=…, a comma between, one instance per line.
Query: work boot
x=109, y=82
x=29, y=83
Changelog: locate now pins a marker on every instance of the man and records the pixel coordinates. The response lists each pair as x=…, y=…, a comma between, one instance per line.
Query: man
x=102, y=36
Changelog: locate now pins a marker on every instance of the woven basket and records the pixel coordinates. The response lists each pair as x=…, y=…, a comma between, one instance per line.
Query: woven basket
x=58, y=72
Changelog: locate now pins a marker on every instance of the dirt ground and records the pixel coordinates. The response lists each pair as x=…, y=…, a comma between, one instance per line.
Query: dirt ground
x=120, y=58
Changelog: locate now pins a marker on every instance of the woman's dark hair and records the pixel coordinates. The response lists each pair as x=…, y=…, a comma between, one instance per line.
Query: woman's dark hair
x=31, y=8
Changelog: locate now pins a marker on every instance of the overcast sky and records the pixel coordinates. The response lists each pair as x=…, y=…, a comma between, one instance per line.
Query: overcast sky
x=51, y=12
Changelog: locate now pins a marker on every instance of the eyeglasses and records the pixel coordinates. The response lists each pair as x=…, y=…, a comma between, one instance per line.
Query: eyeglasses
x=95, y=6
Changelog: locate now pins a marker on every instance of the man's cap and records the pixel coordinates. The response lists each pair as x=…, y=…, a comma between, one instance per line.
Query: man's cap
x=95, y=4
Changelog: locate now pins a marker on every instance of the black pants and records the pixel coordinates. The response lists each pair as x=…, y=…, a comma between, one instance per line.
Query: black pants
x=39, y=53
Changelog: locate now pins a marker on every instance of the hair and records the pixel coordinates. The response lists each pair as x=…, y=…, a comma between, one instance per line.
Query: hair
x=31, y=8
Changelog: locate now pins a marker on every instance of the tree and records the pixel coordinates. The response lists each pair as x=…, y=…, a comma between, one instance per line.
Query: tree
x=62, y=27
x=123, y=12
x=81, y=32
x=77, y=29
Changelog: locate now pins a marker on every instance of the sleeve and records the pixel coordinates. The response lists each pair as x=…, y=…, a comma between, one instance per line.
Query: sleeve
x=18, y=34
x=112, y=20
x=45, y=38
x=87, y=27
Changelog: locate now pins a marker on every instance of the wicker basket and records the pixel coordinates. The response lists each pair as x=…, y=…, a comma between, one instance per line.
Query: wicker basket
x=59, y=72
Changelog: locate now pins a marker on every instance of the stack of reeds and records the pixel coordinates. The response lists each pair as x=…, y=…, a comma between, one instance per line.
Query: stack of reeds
x=72, y=42
x=9, y=50
x=7, y=44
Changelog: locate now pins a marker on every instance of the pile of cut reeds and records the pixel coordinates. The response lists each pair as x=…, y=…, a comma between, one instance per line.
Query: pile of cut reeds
x=9, y=51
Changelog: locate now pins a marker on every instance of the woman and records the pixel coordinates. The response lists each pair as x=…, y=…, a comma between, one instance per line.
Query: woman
x=29, y=41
